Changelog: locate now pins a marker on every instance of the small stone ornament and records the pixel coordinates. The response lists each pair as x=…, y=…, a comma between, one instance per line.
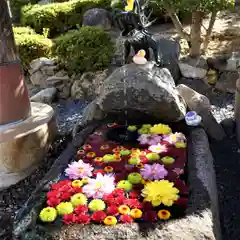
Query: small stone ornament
x=193, y=119
x=139, y=58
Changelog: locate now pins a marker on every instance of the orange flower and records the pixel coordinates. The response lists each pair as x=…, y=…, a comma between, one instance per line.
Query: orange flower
x=117, y=155
x=110, y=220
x=164, y=214
x=108, y=169
x=104, y=147
x=140, y=165
x=91, y=155
x=136, y=213
x=124, y=209
x=98, y=159
x=77, y=183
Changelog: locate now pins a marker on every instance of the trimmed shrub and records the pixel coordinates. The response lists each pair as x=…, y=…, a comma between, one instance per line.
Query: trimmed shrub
x=31, y=45
x=87, y=49
x=58, y=17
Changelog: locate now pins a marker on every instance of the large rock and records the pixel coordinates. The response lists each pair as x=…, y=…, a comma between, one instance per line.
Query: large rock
x=97, y=17
x=147, y=89
x=227, y=82
x=201, y=104
x=45, y=96
x=193, y=67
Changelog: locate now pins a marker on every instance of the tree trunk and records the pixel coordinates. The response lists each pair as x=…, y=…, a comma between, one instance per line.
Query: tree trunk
x=14, y=100
x=209, y=30
x=195, y=50
x=7, y=43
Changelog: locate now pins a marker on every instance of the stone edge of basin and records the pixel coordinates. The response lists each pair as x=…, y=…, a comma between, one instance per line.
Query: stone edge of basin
x=203, y=200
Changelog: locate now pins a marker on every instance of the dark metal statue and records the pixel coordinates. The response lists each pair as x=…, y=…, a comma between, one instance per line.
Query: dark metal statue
x=133, y=29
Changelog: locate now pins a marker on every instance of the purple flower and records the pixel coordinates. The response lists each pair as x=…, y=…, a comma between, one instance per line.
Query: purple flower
x=150, y=139
x=78, y=170
x=155, y=171
x=173, y=138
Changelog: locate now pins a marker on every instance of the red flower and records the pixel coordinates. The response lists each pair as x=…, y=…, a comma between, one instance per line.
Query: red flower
x=69, y=218
x=119, y=200
x=66, y=188
x=150, y=216
x=81, y=209
x=108, y=198
x=134, y=194
x=83, y=218
x=53, y=194
x=53, y=202
x=118, y=192
x=77, y=190
x=133, y=203
x=112, y=210
x=65, y=196
x=98, y=171
x=126, y=219
x=56, y=186
x=99, y=216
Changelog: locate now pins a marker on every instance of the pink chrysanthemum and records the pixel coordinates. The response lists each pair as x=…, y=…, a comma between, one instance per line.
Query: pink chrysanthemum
x=172, y=138
x=159, y=148
x=103, y=184
x=150, y=139
x=153, y=172
x=78, y=170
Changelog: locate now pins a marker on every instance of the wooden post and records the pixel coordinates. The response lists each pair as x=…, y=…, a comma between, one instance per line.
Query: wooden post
x=14, y=99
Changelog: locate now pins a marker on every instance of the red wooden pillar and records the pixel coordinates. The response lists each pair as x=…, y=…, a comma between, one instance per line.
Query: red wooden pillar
x=14, y=99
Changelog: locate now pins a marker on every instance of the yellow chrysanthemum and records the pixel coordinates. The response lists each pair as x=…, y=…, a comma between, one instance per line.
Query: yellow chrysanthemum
x=160, y=129
x=136, y=213
x=158, y=192
x=180, y=145
x=77, y=183
x=110, y=220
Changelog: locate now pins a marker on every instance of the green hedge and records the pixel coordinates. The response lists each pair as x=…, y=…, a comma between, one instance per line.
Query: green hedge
x=58, y=17
x=31, y=45
x=87, y=49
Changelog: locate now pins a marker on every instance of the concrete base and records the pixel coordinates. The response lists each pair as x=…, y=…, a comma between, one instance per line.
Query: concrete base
x=24, y=144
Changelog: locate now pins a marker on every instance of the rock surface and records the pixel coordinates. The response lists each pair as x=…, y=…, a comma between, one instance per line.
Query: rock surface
x=45, y=96
x=201, y=104
x=193, y=68
x=227, y=82
x=145, y=88
x=97, y=17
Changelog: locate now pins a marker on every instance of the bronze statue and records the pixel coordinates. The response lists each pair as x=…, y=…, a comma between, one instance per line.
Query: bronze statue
x=133, y=30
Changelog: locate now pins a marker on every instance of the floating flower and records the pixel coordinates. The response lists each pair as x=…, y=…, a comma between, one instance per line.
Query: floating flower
x=178, y=171
x=134, y=160
x=110, y=220
x=168, y=160
x=96, y=205
x=126, y=219
x=83, y=218
x=159, y=148
x=134, y=178
x=140, y=165
x=59, y=185
x=95, y=173
x=98, y=159
x=146, y=126
x=91, y=155
x=69, y=218
x=85, y=180
x=153, y=156
x=158, y=192
x=173, y=138
x=180, y=145
x=87, y=147
x=150, y=139
x=133, y=203
x=98, y=216
x=160, y=129
x=143, y=131
x=132, y=128
x=135, y=150
x=77, y=183
x=78, y=199
x=112, y=210
x=124, y=209
x=108, y=169
x=48, y=214
x=104, y=147
x=153, y=172
x=64, y=208
x=81, y=209
x=125, y=185
x=125, y=152
x=118, y=192
x=136, y=213
x=108, y=158
x=53, y=201
x=103, y=184
x=79, y=169
x=80, y=153
x=133, y=194
x=164, y=214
